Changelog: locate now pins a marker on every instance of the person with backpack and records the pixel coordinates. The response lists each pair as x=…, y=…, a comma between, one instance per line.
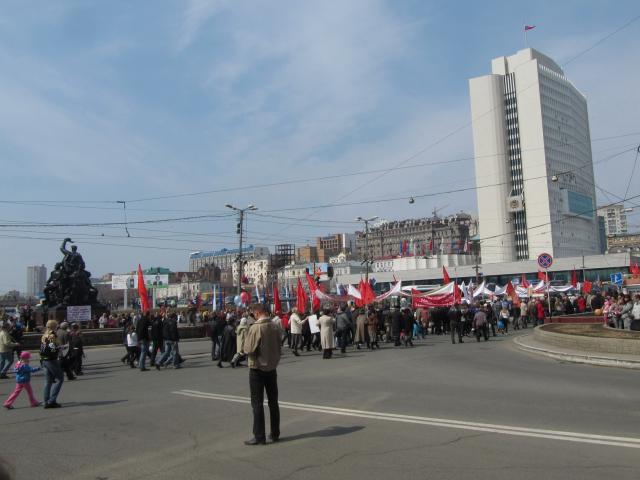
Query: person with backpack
x=50, y=358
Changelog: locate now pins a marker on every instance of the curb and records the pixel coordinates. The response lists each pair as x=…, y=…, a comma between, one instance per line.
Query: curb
x=577, y=357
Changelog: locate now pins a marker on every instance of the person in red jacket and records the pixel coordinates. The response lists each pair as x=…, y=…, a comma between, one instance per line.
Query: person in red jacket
x=539, y=313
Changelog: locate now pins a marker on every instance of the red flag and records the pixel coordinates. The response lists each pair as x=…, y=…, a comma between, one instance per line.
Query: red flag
x=541, y=275
x=634, y=269
x=529, y=27
x=574, y=278
x=368, y=296
x=524, y=282
x=511, y=291
x=142, y=291
x=301, y=300
x=277, y=305
x=315, y=301
x=445, y=275
x=586, y=286
x=431, y=245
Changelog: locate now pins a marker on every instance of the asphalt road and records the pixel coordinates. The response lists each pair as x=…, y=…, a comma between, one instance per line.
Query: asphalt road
x=437, y=410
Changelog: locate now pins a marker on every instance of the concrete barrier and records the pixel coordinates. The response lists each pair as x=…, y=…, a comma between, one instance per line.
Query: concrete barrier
x=574, y=319
x=626, y=346
x=109, y=336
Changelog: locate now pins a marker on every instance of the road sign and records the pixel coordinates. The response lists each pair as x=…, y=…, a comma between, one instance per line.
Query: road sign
x=545, y=260
x=616, y=278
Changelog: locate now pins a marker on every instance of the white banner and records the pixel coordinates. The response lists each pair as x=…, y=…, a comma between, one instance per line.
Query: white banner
x=123, y=282
x=79, y=313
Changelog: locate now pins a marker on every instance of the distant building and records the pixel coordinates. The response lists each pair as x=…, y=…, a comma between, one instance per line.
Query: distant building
x=629, y=242
x=307, y=254
x=334, y=244
x=36, y=280
x=533, y=162
x=255, y=271
x=225, y=258
x=285, y=254
x=615, y=219
x=427, y=236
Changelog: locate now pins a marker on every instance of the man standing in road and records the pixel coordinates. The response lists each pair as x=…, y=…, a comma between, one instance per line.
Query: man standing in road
x=263, y=347
x=142, y=331
x=454, y=323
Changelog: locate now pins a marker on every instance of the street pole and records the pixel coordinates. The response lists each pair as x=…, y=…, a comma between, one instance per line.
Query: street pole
x=240, y=263
x=241, y=212
x=546, y=273
x=366, y=243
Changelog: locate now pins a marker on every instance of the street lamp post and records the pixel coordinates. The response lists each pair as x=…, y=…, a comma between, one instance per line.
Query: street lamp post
x=366, y=243
x=241, y=212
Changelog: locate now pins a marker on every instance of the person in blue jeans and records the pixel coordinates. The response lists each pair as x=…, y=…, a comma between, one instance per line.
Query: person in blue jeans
x=49, y=354
x=171, y=339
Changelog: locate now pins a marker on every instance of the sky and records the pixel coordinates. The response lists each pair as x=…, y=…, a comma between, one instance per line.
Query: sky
x=103, y=102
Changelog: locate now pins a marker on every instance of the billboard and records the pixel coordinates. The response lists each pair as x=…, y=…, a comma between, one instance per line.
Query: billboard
x=123, y=282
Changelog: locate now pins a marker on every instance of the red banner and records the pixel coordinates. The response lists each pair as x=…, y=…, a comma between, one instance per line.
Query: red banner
x=430, y=301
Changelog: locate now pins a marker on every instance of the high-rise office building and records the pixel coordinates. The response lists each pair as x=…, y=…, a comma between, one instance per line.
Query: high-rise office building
x=534, y=170
x=36, y=280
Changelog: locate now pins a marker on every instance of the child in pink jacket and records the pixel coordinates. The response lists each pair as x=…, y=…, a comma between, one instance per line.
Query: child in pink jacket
x=23, y=381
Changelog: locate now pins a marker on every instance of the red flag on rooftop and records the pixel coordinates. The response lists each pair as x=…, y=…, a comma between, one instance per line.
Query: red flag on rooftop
x=445, y=275
x=529, y=27
x=142, y=291
x=301, y=300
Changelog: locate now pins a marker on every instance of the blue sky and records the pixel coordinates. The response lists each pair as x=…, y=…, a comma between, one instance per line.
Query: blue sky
x=106, y=101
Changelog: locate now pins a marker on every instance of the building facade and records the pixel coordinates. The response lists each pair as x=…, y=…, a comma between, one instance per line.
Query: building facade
x=615, y=219
x=417, y=237
x=225, y=258
x=331, y=245
x=256, y=271
x=36, y=280
x=629, y=242
x=534, y=168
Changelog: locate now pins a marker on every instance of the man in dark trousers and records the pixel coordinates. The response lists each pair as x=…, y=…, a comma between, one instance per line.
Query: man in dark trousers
x=263, y=347
x=156, y=338
x=454, y=323
x=142, y=331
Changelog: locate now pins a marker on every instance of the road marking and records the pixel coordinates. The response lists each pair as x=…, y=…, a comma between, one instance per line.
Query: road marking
x=627, y=442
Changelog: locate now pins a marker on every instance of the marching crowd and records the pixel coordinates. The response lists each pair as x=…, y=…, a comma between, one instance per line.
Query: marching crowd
x=155, y=337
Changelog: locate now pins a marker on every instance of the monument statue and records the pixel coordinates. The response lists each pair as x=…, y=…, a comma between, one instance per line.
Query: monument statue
x=69, y=283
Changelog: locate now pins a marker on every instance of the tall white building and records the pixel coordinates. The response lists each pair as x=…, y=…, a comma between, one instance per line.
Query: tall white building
x=615, y=219
x=534, y=170
x=36, y=280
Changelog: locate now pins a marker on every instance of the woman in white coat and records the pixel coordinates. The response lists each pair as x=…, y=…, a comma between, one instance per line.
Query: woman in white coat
x=327, y=323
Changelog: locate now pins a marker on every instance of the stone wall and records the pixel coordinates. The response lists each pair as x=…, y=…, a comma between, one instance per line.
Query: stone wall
x=630, y=346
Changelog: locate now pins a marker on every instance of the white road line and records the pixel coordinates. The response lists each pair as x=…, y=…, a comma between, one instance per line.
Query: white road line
x=627, y=442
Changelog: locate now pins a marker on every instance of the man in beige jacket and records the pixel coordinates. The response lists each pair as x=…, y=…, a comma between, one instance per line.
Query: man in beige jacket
x=263, y=347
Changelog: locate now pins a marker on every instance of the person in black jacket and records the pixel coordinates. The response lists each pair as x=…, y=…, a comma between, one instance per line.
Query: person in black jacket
x=407, y=326
x=171, y=339
x=454, y=323
x=396, y=325
x=156, y=338
x=218, y=323
x=228, y=344
x=142, y=331
x=76, y=350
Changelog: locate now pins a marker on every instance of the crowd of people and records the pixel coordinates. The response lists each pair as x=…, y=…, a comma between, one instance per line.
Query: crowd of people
x=152, y=339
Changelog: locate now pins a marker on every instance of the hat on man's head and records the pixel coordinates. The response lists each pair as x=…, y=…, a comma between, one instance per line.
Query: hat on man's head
x=25, y=356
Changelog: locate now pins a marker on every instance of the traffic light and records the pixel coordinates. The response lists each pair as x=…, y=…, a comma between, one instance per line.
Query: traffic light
x=238, y=228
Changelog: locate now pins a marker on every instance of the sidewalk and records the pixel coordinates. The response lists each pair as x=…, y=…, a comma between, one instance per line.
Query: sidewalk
x=531, y=345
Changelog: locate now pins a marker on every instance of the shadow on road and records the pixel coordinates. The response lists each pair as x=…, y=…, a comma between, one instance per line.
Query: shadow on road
x=92, y=404
x=325, y=432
